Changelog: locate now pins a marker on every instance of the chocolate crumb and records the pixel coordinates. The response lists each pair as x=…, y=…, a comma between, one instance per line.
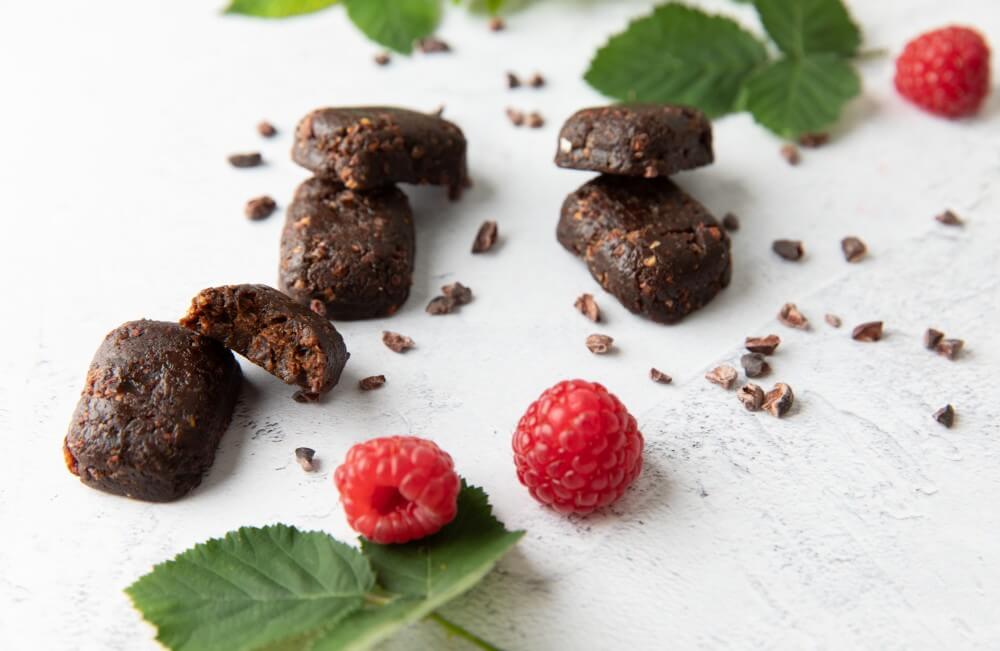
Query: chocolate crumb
x=751, y=396
x=599, y=344
x=870, y=331
x=588, y=307
x=949, y=218
x=516, y=117
x=535, y=120
x=853, y=248
x=458, y=292
x=658, y=376
x=833, y=320
x=731, y=222
x=950, y=348
x=305, y=396
x=791, y=317
x=536, y=80
x=485, y=238
x=497, y=24
x=512, y=80
x=791, y=154
x=754, y=365
x=441, y=305
x=259, y=208
x=371, y=382
x=779, y=400
x=396, y=342
x=251, y=159
x=725, y=376
x=382, y=58
x=432, y=45
x=932, y=337
x=788, y=249
x=266, y=129
x=945, y=415
x=814, y=140
x=318, y=306
x=763, y=345
x=305, y=458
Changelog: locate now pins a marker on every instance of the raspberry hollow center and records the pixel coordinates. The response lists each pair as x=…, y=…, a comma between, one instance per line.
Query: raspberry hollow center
x=386, y=499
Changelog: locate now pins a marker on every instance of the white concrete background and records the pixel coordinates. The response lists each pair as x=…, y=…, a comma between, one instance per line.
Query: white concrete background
x=857, y=522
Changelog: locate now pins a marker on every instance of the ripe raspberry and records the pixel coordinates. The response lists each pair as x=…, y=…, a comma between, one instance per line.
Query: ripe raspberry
x=577, y=448
x=397, y=488
x=946, y=72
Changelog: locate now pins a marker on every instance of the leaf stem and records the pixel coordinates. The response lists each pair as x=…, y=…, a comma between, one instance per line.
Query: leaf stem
x=455, y=629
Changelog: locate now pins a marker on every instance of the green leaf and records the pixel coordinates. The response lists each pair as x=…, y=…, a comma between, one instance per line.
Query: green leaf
x=395, y=24
x=277, y=8
x=421, y=576
x=678, y=55
x=801, y=27
x=257, y=587
x=795, y=96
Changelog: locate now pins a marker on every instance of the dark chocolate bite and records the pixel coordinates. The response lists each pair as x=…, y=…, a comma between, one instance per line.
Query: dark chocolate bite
x=652, y=246
x=375, y=146
x=285, y=338
x=352, y=251
x=648, y=140
x=156, y=402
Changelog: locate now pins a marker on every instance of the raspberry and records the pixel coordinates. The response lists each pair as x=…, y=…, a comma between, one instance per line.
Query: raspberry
x=946, y=72
x=397, y=488
x=577, y=448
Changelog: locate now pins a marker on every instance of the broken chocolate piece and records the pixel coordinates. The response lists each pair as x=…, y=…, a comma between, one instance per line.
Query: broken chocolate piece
x=432, y=45
x=870, y=331
x=791, y=317
x=788, y=249
x=515, y=116
x=266, y=129
x=458, y=292
x=932, y=337
x=371, y=383
x=950, y=348
x=599, y=344
x=754, y=365
x=259, y=208
x=305, y=458
x=948, y=218
x=854, y=249
x=382, y=59
x=588, y=307
x=724, y=375
x=486, y=237
x=250, y=159
x=751, y=396
x=763, y=345
x=945, y=415
x=396, y=342
x=441, y=305
x=534, y=120
x=779, y=400
x=791, y=154
x=659, y=376
x=833, y=320
x=536, y=80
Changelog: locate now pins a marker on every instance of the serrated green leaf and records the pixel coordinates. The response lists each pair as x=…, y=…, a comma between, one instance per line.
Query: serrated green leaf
x=277, y=8
x=423, y=575
x=257, y=587
x=679, y=55
x=396, y=24
x=795, y=96
x=801, y=27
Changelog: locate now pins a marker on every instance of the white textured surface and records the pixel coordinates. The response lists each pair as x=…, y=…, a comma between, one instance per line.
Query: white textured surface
x=855, y=522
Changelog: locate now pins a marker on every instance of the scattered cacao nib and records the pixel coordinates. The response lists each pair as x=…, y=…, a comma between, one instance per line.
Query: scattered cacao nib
x=512, y=80
x=599, y=344
x=305, y=458
x=754, y=365
x=259, y=208
x=535, y=120
x=441, y=305
x=318, y=306
x=588, y=307
x=814, y=140
x=731, y=222
x=396, y=342
x=536, y=80
x=788, y=249
x=458, y=292
x=266, y=129
x=432, y=45
x=371, y=382
x=658, y=376
x=791, y=154
x=763, y=345
x=250, y=159
x=485, y=238
x=751, y=396
x=382, y=59
x=950, y=348
x=945, y=415
x=725, y=376
x=516, y=117
x=932, y=338
x=304, y=396
x=779, y=400
x=854, y=249
x=833, y=320
x=870, y=331
x=791, y=317
x=497, y=24
x=949, y=218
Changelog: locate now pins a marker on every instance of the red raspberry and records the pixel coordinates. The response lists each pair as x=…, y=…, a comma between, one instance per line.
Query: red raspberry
x=577, y=448
x=946, y=72
x=397, y=488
